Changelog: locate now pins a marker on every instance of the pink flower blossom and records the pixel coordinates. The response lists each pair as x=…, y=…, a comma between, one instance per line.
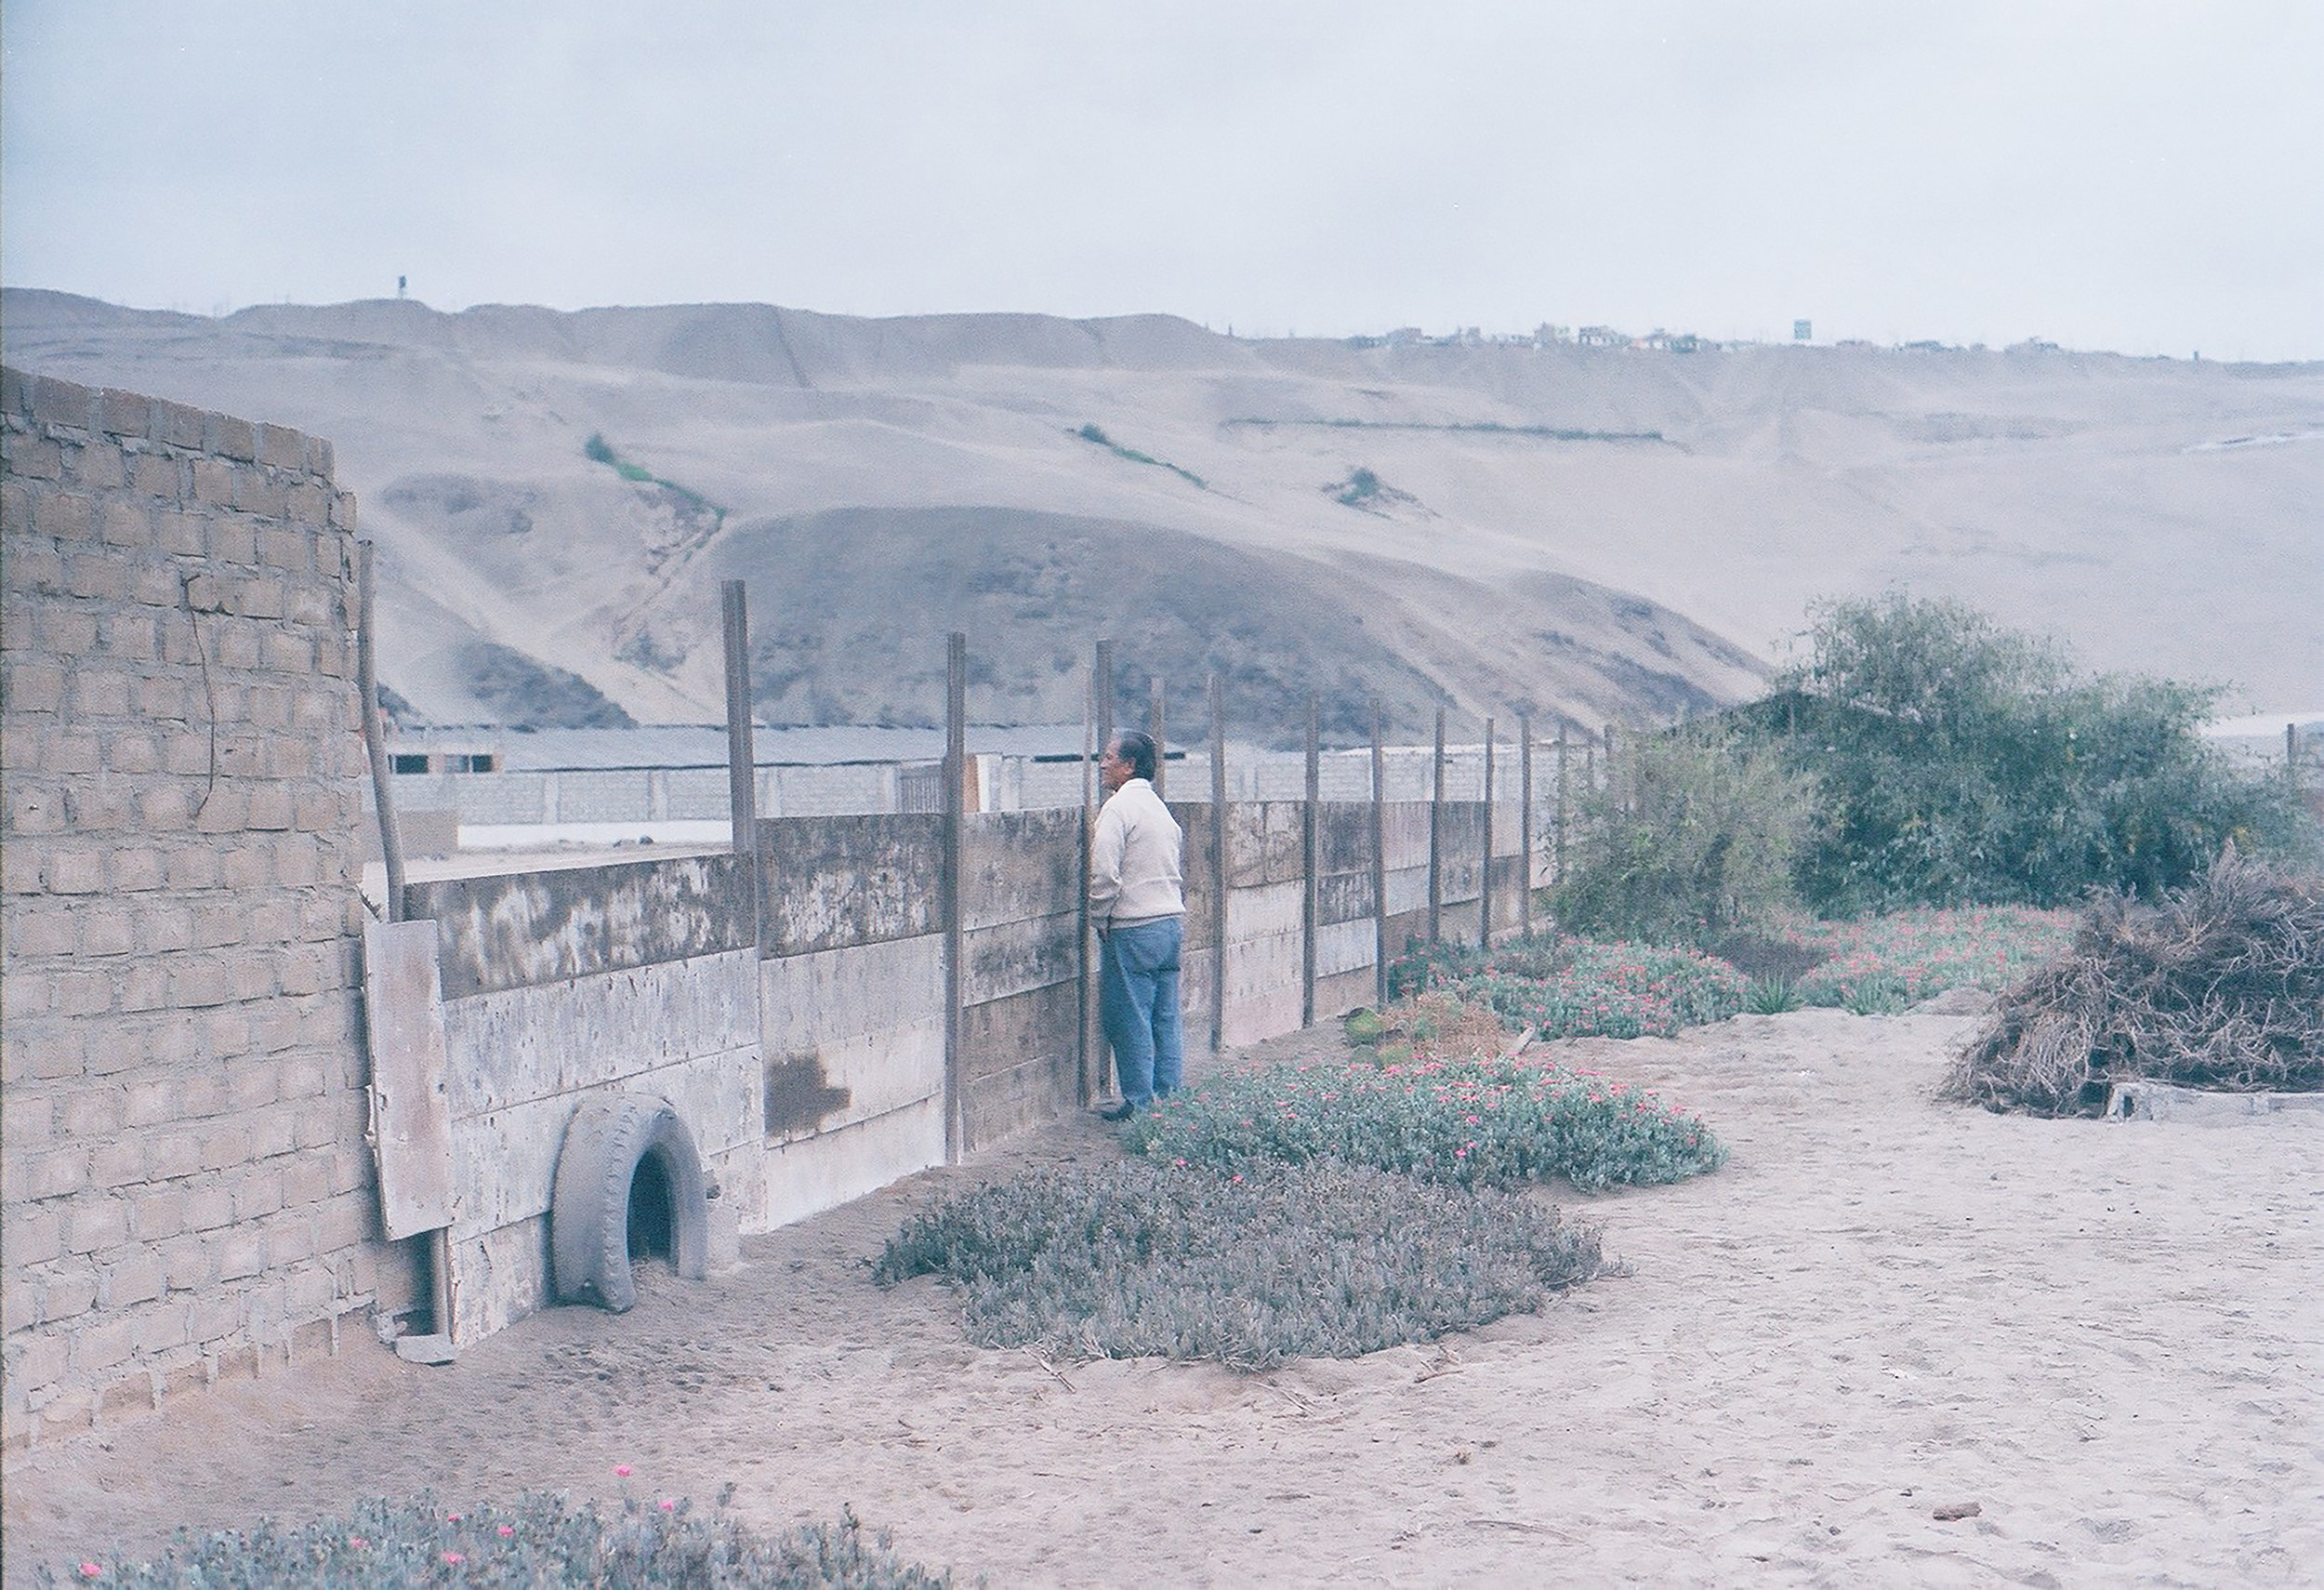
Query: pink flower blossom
x=90, y=1570
x=621, y=1469
x=453, y=1558
x=667, y=1507
x=507, y=1530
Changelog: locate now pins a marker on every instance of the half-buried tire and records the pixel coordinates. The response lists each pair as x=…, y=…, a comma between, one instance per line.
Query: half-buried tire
x=629, y=1182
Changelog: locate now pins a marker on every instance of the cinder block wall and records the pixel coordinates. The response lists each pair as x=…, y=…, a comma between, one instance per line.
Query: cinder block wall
x=186, y=1186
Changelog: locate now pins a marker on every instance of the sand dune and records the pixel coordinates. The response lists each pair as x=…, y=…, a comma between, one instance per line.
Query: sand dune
x=1580, y=532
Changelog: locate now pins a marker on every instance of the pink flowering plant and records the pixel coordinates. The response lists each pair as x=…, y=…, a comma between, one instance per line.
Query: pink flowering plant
x=1885, y=963
x=1500, y=1123
x=542, y=1538
x=1571, y=988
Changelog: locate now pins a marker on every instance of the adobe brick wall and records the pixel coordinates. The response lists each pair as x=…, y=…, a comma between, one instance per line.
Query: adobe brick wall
x=185, y=1187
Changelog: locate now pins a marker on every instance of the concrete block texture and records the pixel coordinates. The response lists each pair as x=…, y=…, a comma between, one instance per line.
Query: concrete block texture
x=131, y=1015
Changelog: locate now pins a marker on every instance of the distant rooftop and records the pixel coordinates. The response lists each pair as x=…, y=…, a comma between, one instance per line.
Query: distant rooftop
x=704, y=745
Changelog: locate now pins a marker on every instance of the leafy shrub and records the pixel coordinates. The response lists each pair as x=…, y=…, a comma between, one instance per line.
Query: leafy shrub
x=1887, y=962
x=543, y=1539
x=1570, y=987
x=1958, y=762
x=1772, y=996
x=2222, y=986
x=1170, y=1259
x=1692, y=837
x=1498, y=1123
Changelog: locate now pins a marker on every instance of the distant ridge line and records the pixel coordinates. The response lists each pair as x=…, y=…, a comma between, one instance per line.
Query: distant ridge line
x=1487, y=427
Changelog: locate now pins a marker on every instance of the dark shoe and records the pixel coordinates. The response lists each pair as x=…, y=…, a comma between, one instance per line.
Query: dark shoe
x=1119, y=1112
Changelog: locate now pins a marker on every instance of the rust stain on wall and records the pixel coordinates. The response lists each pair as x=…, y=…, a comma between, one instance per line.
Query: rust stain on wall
x=799, y=1097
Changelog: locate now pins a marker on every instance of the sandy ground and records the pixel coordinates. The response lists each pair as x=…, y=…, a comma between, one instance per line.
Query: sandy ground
x=2106, y=1336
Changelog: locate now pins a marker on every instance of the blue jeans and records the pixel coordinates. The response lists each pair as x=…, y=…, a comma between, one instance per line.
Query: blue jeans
x=1138, y=1004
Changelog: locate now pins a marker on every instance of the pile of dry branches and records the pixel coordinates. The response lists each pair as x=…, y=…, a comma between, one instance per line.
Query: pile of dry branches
x=2222, y=986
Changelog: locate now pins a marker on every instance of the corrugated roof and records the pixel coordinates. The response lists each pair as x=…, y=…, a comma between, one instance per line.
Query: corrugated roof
x=693, y=745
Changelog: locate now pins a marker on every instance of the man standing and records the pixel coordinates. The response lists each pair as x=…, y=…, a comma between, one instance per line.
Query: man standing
x=1138, y=906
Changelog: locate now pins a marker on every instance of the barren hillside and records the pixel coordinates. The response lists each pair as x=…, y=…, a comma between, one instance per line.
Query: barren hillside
x=1586, y=532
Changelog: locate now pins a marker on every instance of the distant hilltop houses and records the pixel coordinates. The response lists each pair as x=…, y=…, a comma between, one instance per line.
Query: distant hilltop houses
x=1654, y=341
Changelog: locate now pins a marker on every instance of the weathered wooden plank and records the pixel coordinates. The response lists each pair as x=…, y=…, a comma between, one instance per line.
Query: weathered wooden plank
x=411, y=1100
x=1000, y=1034
x=1019, y=865
x=809, y=1175
x=1264, y=843
x=841, y=1081
x=830, y=882
x=1337, y=994
x=805, y=1000
x=505, y=1160
x=515, y=1045
x=1264, y=910
x=1016, y=955
x=1000, y=1104
x=1344, y=897
x=1343, y=837
x=515, y=929
x=1345, y=947
x=1405, y=831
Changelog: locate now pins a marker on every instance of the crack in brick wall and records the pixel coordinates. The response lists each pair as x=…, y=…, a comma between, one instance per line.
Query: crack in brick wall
x=186, y=1186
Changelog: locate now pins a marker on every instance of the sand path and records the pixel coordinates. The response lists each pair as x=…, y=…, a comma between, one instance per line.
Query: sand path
x=2105, y=1335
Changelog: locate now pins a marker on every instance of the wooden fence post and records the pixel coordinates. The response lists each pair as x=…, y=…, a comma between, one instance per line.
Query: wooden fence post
x=1436, y=839
x=1525, y=824
x=1380, y=859
x=956, y=822
x=1485, y=877
x=1378, y=856
x=1565, y=795
x=1217, y=862
x=742, y=772
x=1307, y=861
x=1092, y=1063
x=1153, y=729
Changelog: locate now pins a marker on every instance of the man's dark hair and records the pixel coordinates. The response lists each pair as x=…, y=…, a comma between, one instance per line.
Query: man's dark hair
x=1137, y=749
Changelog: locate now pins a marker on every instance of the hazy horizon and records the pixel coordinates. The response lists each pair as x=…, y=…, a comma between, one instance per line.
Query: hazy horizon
x=2140, y=180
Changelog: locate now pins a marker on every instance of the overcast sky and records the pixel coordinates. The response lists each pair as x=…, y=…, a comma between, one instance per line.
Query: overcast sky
x=2138, y=176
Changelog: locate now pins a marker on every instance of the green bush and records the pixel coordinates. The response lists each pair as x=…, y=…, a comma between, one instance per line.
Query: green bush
x=1249, y=1268
x=542, y=1540
x=1692, y=837
x=1958, y=762
x=1497, y=1123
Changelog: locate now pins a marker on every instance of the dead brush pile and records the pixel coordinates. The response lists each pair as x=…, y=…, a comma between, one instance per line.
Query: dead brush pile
x=2220, y=987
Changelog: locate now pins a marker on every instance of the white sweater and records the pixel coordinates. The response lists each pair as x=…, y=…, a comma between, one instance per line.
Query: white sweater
x=1134, y=873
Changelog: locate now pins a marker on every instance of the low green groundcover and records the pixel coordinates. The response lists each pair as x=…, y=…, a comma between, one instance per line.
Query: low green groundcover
x=1249, y=1268
x=1890, y=962
x=1498, y=1123
x=1573, y=988
x=542, y=1540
